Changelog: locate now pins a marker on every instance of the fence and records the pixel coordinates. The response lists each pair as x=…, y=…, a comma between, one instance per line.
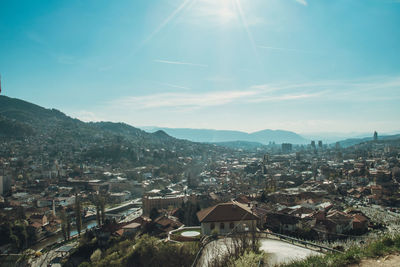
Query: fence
x=294, y=240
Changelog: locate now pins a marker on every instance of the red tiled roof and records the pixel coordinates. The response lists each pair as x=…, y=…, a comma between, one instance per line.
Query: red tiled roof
x=165, y=221
x=242, y=199
x=36, y=225
x=120, y=232
x=359, y=218
x=226, y=212
x=131, y=226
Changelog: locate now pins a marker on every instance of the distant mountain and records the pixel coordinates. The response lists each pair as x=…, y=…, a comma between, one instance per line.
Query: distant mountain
x=244, y=145
x=332, y=137
x=215, y=136
x=356, y=141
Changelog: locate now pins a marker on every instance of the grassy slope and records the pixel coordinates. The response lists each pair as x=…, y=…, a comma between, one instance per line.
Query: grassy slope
x=385, y=245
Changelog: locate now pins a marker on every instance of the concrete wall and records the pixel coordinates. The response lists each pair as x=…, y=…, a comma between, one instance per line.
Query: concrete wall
x=237, y=226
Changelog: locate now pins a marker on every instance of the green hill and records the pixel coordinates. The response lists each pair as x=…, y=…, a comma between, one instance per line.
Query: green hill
x=105, y=141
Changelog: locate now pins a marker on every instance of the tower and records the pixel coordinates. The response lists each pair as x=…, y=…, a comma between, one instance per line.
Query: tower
x=375, y=136
x=313, y=144
x=320, y=144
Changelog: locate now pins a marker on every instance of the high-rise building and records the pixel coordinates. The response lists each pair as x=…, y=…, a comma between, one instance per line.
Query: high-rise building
x=286, y=148
x=313, y=144
x=337, y=145
x=319, y=144
x=375, y=136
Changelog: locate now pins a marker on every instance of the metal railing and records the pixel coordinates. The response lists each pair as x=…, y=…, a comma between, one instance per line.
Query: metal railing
x=294, y=240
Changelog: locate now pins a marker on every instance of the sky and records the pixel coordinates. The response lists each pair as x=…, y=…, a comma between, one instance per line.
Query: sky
x=308, y=66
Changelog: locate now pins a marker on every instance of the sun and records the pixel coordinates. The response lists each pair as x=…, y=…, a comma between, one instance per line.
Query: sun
x=226, y=10
x=220, y=11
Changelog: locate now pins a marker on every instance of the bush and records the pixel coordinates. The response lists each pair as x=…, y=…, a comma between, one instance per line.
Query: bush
x=96, y=256
x=387, y=241
x=353, y=255
x=249, y=259
x=376, y=248
x=214, y=234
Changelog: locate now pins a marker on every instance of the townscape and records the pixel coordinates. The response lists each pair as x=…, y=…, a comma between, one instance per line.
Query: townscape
x=70, y=186
x=200, y=133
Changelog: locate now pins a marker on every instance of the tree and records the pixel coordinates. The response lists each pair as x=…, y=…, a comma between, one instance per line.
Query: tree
x=65, y=225
x=100, y=203
x=154, y=214
x=103, y=209
x=98, y=217
x=68, y=227
x=78, y=214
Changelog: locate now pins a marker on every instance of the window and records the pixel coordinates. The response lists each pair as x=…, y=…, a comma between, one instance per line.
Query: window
x=231, y=225
x=212, y=226
x=222, y=226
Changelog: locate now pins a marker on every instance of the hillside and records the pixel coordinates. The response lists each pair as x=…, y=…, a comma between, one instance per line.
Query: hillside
x=52, y=132
x=356, y=141
x=217, y=136
x=23, y=115
x=244, y=145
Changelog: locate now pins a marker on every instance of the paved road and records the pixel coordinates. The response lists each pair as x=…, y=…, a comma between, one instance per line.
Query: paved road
x=278, y=251
x=282, y=252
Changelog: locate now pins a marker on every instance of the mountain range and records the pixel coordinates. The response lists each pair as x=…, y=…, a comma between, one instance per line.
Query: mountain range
x=21, y=119
x=217, y=136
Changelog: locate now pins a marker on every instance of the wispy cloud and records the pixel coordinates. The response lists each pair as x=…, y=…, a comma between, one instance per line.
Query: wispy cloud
x=174, y=86
x=85, y=115
x=303, y=2
x=254, y=94
x=182, y=99
x=180, y=63
x=285, y=49
x=357, y=90
x=285, y=97
x=341, y=90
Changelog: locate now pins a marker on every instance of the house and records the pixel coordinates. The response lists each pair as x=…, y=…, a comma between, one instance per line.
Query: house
x=167, y=223
x=280, y=222
x=225, y=218
x=39, y=219
x=129, y=229
x=360, y=222
x=242, y=199
x=339, y=222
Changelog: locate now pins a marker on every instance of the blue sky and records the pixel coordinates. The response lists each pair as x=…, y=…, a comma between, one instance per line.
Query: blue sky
x=300, y=65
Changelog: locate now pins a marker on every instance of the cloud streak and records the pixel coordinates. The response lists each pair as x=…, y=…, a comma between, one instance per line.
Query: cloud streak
x=180, y=63
x=302, y=2
x=174, y=86
x=355, y=91
x=285, y=49
x=182, y=99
